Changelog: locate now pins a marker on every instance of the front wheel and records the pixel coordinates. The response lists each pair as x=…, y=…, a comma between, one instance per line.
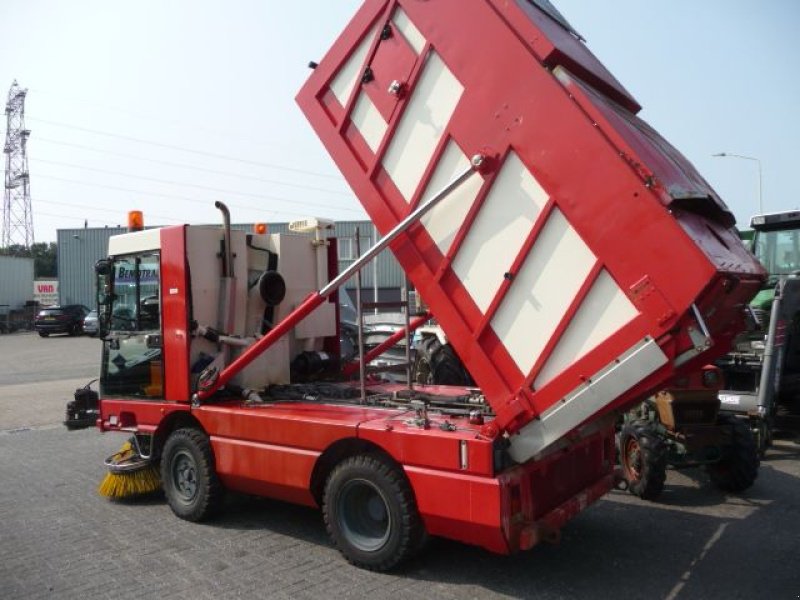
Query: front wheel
x=738, y=468
x=44, y=333
x=643, y=457
x=371, y=514
x=191, y=485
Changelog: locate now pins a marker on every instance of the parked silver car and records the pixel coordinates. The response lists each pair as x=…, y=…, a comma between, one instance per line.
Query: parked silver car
x=90, y=325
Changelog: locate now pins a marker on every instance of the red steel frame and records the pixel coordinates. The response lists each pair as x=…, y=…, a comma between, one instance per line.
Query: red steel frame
x=608, y=177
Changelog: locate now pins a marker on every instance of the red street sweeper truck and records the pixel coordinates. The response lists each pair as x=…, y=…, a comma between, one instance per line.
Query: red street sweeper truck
x=576, y=261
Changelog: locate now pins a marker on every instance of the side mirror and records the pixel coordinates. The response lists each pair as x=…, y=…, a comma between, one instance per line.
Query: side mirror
x=103, y=267
x=104, y=270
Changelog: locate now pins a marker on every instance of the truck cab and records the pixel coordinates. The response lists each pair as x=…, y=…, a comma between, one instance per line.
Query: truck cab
x=762, y=373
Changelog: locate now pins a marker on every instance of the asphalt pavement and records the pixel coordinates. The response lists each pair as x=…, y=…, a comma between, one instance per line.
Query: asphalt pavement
x=59, y=539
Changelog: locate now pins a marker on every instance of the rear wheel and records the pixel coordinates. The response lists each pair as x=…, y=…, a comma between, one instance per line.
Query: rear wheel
x=738, y=468
x=371, y=514
x=191, y=485
x=438, y=364
x=643, y=457
x=43, y=334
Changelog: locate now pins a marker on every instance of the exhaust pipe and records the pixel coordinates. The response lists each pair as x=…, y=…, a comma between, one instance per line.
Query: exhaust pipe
x=227, y=264
x=227, y=299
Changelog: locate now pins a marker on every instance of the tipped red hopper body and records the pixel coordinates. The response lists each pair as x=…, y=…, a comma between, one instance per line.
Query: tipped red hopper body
x=587, y=262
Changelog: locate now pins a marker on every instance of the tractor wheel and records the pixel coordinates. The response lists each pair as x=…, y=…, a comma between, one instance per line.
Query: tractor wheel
x=191, y=485
x=643, y=456
x=438, y=364
x=738, y=468
x=371, y=514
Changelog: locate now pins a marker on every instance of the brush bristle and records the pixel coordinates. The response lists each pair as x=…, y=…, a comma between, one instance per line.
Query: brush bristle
x=126, y=485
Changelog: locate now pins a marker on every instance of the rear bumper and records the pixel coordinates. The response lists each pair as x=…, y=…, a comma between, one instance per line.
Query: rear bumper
x=54, y=327
x=548, y=528
x=526, y=504
x=539, y=497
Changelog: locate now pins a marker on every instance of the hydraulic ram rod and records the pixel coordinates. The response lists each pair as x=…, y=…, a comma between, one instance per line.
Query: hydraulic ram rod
x=314, y=300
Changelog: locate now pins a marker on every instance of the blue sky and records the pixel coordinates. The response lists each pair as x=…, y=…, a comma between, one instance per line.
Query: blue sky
x=146, y=104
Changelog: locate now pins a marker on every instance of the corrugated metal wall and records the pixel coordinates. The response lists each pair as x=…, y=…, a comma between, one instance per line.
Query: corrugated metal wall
x=16, y=282
x=385, y=267
x=80, y=249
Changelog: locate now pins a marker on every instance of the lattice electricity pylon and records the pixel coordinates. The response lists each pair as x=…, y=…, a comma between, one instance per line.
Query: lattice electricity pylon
x=17, y=211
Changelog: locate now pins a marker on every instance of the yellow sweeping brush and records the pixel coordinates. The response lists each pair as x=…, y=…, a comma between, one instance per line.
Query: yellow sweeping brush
x=129, y=474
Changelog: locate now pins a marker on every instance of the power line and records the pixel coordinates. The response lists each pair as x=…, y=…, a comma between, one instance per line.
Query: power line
x=73, y=217
x=193, y=167
x=94, y=208
x=183, y=149
x=191, y=185
x=170, y=122
x=170, y=196
x=139, y=192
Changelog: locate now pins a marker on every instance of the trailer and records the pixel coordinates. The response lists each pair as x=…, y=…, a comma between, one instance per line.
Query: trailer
x=576, y=261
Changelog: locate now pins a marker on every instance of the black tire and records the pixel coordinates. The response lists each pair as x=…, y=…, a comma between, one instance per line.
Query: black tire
x=371, y=514
x=643, y=457
x=438, y=364
x=193, y=490
x=738, y=468
x=43, y=334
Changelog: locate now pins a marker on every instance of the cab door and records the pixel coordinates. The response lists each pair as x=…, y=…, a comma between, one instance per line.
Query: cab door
x=132, y=347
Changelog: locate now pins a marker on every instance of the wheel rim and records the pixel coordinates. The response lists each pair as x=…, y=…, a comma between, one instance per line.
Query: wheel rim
x=184, y=476
x=632, y=457
x=364, y=518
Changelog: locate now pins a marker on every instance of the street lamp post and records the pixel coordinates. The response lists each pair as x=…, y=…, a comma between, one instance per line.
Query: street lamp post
x=758, y=162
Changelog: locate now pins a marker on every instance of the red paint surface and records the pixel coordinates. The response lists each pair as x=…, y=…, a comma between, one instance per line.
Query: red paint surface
x=605, y=170
x=271, y=450
x=175, y=313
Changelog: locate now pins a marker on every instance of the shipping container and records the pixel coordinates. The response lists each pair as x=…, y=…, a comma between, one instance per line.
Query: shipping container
x=16, y=282
x=16, y=290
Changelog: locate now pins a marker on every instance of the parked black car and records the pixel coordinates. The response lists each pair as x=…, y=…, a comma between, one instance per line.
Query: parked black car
x=61, y=319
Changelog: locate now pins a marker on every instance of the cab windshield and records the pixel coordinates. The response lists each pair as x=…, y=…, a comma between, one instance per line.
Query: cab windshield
x=778, y=251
